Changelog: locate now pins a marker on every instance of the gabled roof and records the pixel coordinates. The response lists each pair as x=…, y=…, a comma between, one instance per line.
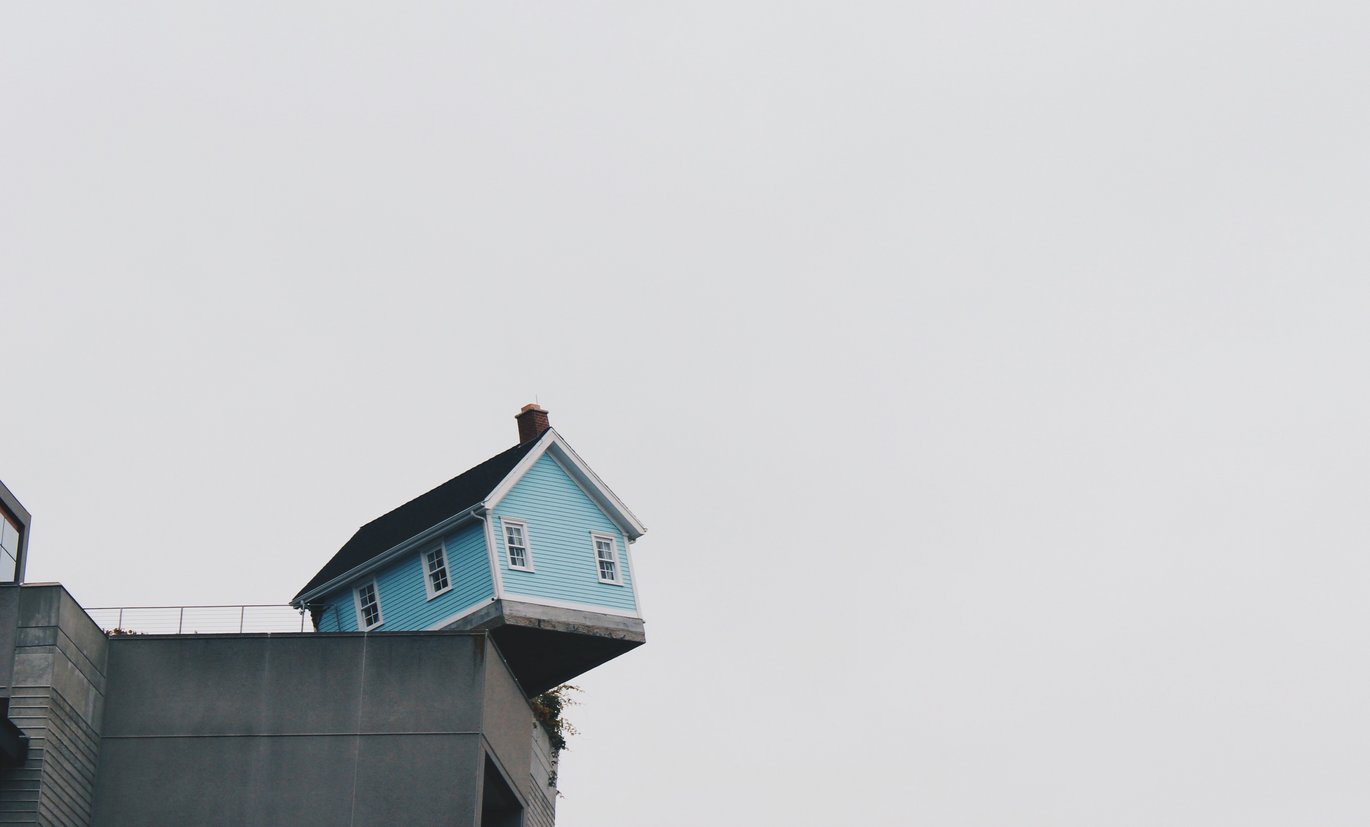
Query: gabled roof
x=420, y=514
x=480, y=488
x=551, y=443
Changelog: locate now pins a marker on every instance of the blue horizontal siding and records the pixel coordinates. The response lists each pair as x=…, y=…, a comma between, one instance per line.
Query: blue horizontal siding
x=404, y=600
x=340, y=612
x=560, y=517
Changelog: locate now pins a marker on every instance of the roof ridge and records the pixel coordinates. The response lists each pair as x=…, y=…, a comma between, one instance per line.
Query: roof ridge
x=440, y=485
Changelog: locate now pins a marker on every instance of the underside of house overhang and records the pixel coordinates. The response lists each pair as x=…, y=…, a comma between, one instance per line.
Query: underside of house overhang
x=547, y=646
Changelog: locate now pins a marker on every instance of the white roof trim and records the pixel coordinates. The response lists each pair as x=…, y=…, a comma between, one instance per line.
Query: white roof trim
x=577, y=470
x=516, y=473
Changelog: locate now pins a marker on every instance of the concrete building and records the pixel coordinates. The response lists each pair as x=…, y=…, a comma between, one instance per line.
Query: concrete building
x=404, y=723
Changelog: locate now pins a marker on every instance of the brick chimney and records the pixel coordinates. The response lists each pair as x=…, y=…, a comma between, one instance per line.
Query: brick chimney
x=532, y=422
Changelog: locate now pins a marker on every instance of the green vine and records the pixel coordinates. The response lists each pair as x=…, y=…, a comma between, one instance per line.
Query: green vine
x=548, y=708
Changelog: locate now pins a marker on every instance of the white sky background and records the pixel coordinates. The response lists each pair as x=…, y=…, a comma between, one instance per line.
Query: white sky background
x=991, y=375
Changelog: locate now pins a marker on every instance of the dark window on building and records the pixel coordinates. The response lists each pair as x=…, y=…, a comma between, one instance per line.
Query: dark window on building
x=9, y=548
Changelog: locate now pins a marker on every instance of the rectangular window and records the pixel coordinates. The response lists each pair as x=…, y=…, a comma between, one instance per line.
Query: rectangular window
x=516, y=545
x=368, y=606
x=435, y=566
x=606, y=557
x=9, y=548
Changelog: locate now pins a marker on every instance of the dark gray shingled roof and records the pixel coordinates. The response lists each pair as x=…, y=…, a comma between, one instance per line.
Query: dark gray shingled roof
x=421, y=513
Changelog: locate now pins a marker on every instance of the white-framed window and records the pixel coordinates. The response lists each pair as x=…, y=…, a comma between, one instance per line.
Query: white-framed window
x=368, y=606
x=516, y=547
x=606, y=558
x=435, y=579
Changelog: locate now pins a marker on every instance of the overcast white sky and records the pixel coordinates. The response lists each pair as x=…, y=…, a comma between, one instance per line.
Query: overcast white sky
x=991, y=375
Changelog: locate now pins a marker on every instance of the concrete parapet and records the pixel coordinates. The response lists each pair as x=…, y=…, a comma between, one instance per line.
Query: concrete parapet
x=306, y=729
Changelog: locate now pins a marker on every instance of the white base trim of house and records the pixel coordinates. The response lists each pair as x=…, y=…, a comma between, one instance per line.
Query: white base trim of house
x=448, y=621
x=565, y=604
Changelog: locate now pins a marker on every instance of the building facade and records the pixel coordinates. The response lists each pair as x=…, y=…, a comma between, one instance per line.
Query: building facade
x=303, y=729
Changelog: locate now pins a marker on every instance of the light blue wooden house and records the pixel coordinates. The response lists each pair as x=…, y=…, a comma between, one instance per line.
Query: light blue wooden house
x=530, y=545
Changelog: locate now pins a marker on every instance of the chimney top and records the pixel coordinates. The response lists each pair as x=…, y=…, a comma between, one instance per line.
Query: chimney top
x=532, y=421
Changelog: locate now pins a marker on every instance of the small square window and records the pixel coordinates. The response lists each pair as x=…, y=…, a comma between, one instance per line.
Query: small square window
x=606, y=559
x=436, y=580
x=368, y=606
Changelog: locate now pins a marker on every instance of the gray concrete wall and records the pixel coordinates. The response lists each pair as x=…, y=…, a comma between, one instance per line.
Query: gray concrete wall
x=520, y=742
x=54, y=675
x=509, y=717
x=542, y=799
x=311, y=729
x=306, y=729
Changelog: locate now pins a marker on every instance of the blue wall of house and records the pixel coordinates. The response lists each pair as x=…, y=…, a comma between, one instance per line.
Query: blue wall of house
x=404, y=600
x=560, y=518
x=340, y=614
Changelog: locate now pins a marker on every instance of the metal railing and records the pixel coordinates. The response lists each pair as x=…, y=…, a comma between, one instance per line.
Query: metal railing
x=203, y=620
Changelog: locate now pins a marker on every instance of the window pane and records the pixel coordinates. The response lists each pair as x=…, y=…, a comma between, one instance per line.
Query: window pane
x=437, y=570
x=371, y=612
x=9, y=536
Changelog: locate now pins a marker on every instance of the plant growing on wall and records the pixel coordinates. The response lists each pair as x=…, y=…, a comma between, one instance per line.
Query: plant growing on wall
x=548, y=709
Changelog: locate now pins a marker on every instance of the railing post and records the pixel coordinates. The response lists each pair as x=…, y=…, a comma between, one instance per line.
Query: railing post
x=120, y=624
x=181, y=621
x=242, y=616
